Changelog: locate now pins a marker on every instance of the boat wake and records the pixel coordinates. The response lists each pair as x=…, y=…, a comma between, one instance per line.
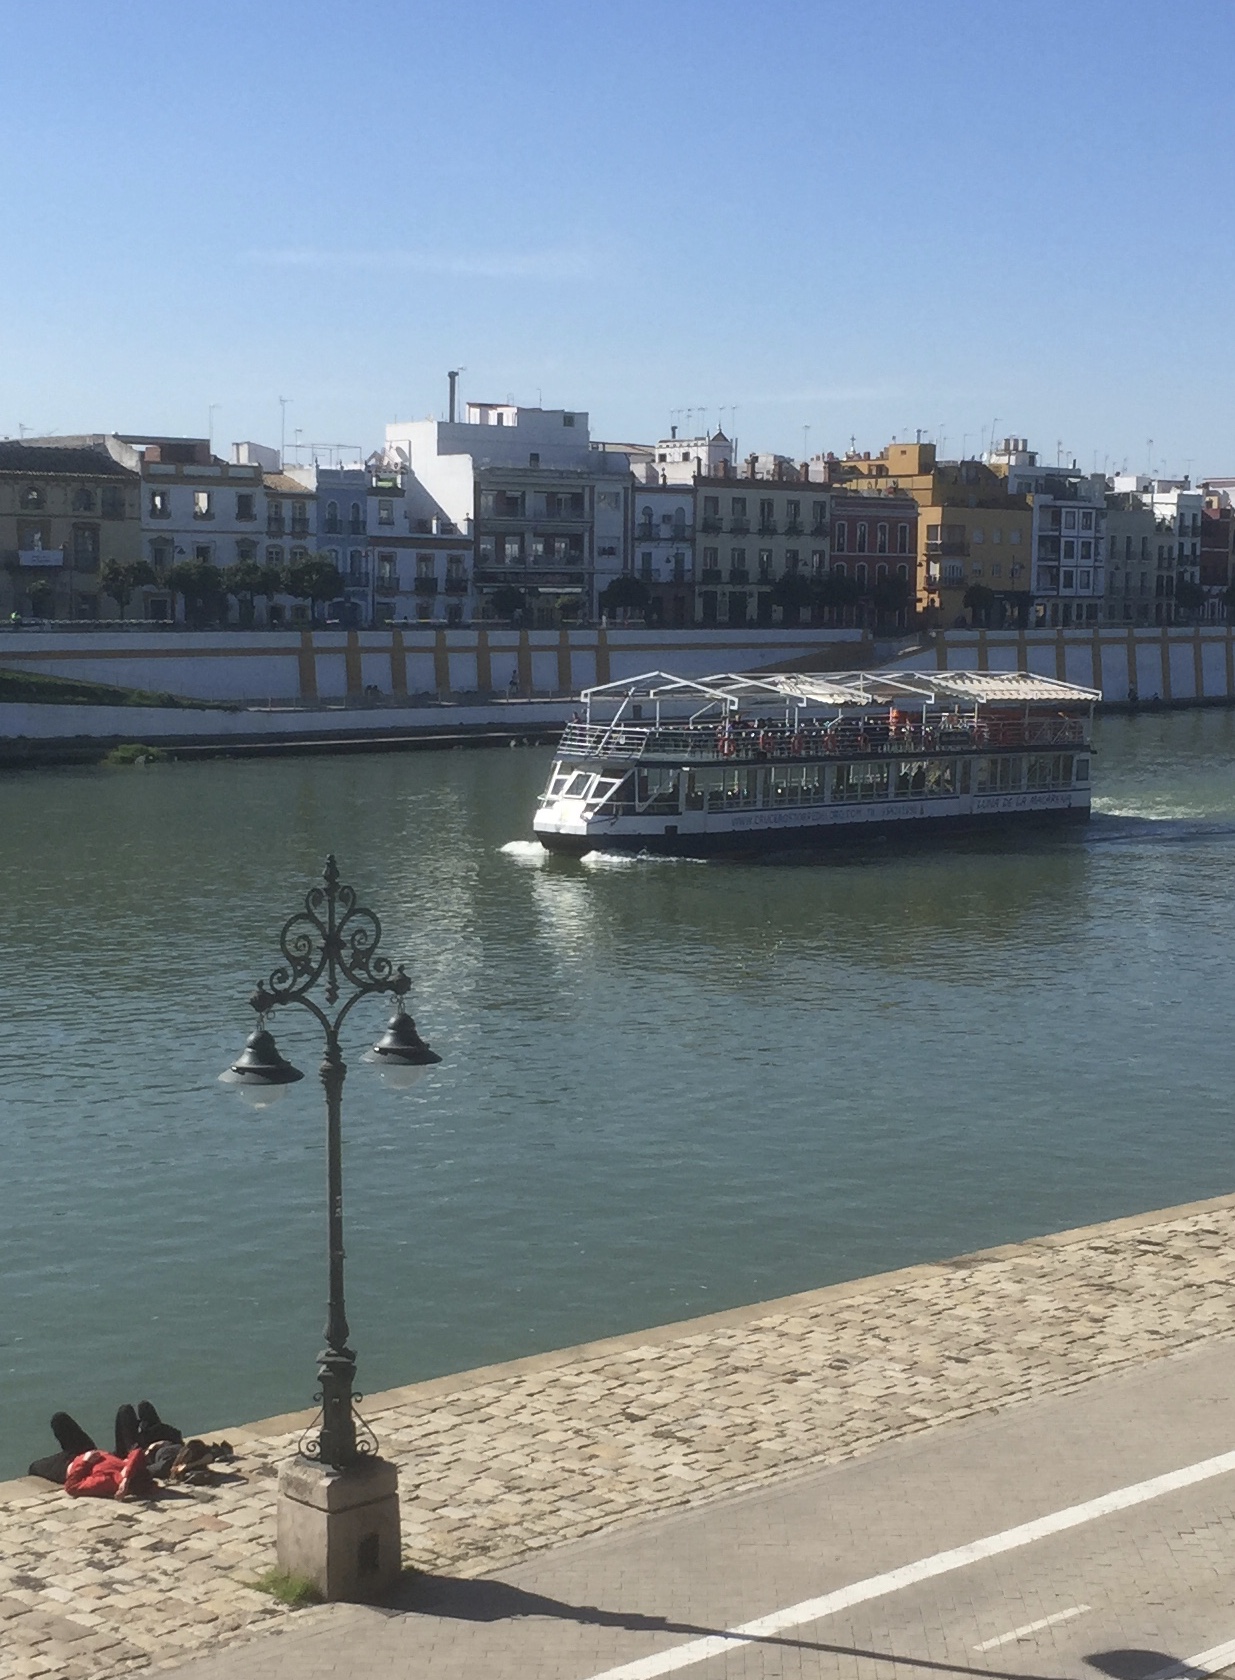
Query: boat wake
x=1113, y=827
x=530, y=852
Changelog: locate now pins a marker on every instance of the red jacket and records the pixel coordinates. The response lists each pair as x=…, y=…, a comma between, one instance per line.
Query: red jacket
x=101, y=1475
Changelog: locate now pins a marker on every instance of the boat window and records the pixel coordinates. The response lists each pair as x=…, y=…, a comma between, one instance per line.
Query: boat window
x=1082, y=769
x=852, y=782
x=577, y=784
x=1050, y=770
x=658, y=789
x=997, y=775
x=911, y=778
x=940, y=776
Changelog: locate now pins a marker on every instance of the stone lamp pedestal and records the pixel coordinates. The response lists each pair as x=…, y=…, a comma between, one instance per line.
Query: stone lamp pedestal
x=339, y=1529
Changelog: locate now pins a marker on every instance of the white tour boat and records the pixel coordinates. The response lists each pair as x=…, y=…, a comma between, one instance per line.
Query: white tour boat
x=746, y=764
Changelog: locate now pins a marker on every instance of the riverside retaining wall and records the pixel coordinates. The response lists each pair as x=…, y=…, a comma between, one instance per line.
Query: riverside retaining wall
x=1177, y=665
x=311, y=666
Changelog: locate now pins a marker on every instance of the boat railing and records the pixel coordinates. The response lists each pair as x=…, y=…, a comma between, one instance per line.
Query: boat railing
x=837, y=738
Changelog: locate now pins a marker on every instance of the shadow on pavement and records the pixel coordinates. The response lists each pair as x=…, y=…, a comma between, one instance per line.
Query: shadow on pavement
x=1135, y=1664
x=498, y=1601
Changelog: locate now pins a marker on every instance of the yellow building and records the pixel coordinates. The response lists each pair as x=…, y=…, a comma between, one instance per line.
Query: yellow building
x=65, y=514
x=972, y=534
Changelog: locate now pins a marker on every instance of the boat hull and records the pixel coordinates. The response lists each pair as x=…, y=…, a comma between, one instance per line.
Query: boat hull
x=813, y=837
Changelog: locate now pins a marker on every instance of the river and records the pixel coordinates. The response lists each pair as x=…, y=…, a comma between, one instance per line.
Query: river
x=667, y=1087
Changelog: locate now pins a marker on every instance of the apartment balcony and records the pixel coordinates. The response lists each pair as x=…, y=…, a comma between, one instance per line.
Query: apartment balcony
x=739, y=527
x=947, y=550
x=457, y=586
x=332, y=528
x=425, y=586
x=355, y=527
x=710, y=574
x=710, y=525
x=738, y=574
x=767, y=527
x=387, y=586
x=793, y=528
x=275, y=528
x=646, y=534
x=300, y=527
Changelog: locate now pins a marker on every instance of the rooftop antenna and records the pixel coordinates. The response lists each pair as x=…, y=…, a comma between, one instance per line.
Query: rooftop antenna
x=1149, y=457
x=994, y=425
x=1058, y=452
x=22, y=429
x=806, y=443
x=283, y=402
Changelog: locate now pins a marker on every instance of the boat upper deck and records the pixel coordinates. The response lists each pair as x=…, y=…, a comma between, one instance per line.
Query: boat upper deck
x=790, y=715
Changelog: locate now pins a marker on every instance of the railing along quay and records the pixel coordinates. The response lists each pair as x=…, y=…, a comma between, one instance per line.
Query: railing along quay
x=723, y=744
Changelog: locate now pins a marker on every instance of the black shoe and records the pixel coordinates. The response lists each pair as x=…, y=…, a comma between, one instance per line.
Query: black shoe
x=151, y=1428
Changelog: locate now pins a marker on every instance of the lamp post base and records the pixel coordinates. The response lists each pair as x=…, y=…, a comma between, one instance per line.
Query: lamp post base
x=339, y=1529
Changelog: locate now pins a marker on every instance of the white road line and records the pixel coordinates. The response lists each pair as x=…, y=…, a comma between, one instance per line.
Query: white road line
x=1032, y=1627
x=1212, y=1661
x=925, y=1569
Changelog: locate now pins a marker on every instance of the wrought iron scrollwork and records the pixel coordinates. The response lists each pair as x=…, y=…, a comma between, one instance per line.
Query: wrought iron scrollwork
x=332, y=939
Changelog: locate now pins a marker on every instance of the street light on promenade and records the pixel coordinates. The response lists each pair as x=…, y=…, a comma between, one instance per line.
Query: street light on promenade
x=338, y=1504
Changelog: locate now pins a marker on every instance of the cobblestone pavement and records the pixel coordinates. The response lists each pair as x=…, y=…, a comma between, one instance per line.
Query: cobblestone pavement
x=498, y=1464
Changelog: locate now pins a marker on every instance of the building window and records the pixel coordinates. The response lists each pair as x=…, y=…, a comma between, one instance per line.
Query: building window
x=902, y=539
x=85, y=547
x=840, y=541
x=112, y=502
x=862, y=537
x=385, y=512
x=203, y=553
x=1087, y=522
x=201, y=505
x=881, y=539
x=1069, y=519
x=711, y=507
x=1087, y=548
x=568, y=419
x=357, y=520
x=246, y=551
x=332, y=518
x=645, y=563
x=32, y=498
x=245, y=505
x=1069, y=548
x=160, y=504
x=274, y=556
x=83, y=500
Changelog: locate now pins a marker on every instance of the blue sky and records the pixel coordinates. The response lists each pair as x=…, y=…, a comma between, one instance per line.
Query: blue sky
x=862, y=219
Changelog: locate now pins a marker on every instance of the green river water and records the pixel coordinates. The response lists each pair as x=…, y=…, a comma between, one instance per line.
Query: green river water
x=667, y=1088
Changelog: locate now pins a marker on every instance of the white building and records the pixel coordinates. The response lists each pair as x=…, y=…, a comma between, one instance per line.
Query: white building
x=676, y=460
x=1068, y=533
x=547, y=511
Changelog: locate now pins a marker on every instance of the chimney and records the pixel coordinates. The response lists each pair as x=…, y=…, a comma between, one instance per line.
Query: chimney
x=453, y=377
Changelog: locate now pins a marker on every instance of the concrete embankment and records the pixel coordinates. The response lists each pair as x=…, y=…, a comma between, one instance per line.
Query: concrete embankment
x=1190, y=665
x=498, y=1463
x=68, y=734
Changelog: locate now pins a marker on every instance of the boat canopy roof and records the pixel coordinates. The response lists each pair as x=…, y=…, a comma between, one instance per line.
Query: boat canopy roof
x=856, y=689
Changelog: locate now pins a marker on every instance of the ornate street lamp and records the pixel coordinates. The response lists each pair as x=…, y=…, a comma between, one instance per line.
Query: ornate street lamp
x=332, y=941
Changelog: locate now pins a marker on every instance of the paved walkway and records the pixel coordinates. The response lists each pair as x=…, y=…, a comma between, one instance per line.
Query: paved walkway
x=990, y=1547
x=500, y=1464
